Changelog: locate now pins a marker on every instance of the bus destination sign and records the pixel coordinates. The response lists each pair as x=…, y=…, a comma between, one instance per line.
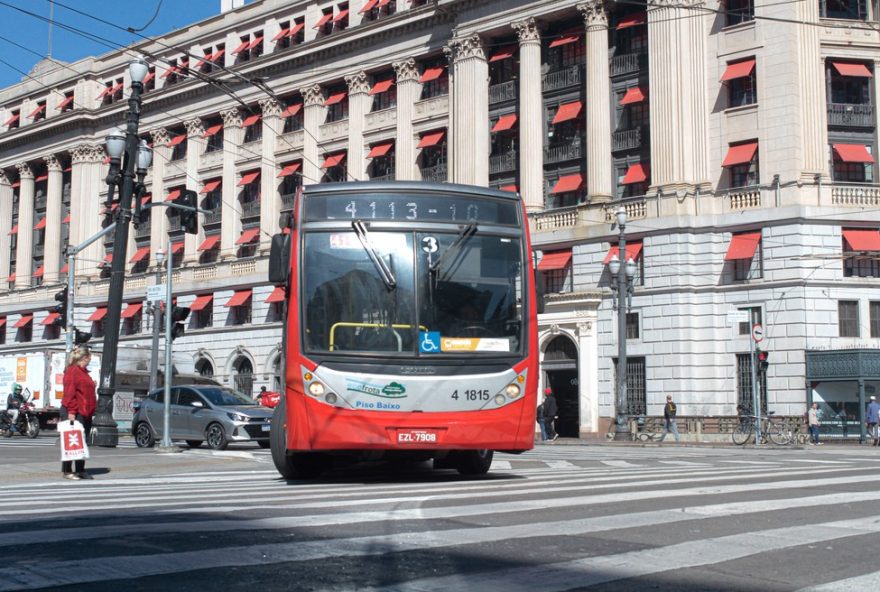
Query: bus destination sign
x=418, y=208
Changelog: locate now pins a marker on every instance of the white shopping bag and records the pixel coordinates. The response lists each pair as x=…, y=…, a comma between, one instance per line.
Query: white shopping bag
x=73, y=441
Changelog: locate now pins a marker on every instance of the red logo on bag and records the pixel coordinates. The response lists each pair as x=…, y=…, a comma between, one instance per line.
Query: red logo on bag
x=73, y=442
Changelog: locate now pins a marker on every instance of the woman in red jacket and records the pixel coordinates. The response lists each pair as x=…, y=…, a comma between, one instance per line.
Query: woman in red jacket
x=79, y=402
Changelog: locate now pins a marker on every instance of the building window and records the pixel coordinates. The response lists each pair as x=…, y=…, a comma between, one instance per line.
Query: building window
x=744, y=396
x=844, y=9
x=557, y=281
x=754, y=319
x=66, y=104
x=850, y=83
x=203, y=308
x=874, y=312
x=204, y=367
x=632, y=179
x=340, y=21
x=434, y=79
x=860, y=253
x=636, y=386
x=13, y=121
x=337, y=104
x=293, y=116
x=39, y=111
x=178, y=144
x=848, y=318
x=241, y=315
x=852, y=163
x=253, y=129
x=213, y=136
x=325, y=23
x=132, y=320
x=745, y=254
x=2, y=330
x=739, y=11
x=243, y=376
x=384, y=91
x=742, y=91
x=632, y=325
x=742, y=163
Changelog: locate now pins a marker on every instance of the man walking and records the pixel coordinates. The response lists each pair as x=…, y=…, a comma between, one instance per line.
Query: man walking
x=550, y=412
x=669, y=412
x=873, y=420
x=813, y=423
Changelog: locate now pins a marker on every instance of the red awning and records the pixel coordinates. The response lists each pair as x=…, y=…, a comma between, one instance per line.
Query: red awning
x=323, y=20
x=213, y=130
x=342, y=14
x=555, y=260
x=382, y=86
x=12, y=120
x=251, y=120
x=743, y=246
x=632, y=20
x=637, y=173
x=66, y=219
x=633, y=95
x=14, y=230
x=292, y=110
x=248, y=178
x=217, y=55
x=40, y=271
x=149, y=76
x=171, y=70
x=633, y=250
x=335, y=98
x=431, y=139
x=368, y=6
x=211, y=186
x=175, y=193
x=107, y=90
x=277, y=295
x=568, y=183
x=567, y=112
x=146, y=199
x=2, y=321
x=131, y=310
x=852, y=153
x=383, y=3
x=333, y=160
x=738, y=70
x=65, y=268
x=857, y=70
x=50, y=318
x=566, y=38
x=209, y=243
x=108, y=258
x=16, y=184
x=242, y=46
x=37, y=111
x=201, y=302
x=65, y=102
x=177, y=248
x=510, y=188
x=176, y=140
x=380, y=149
x=296, y=29
x=41, y=224
x=431, y=74
x=11, y=278
x=290, y=169
x=24, y=321
x=41, y=178
x=740, y=154
x=504, y=123
x=862, y=240
x=99, y=314
x=106, y=160
x=248, y=236
x=255, y=42
x=239, y=298
x=139, y=255
x=503, y=53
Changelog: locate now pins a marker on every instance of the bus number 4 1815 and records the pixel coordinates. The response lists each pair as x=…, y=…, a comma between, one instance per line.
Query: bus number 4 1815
x=472, y=395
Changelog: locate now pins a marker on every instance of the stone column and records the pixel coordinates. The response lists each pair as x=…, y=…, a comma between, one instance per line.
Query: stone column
x=230, y=226
x=85, y=205
x=5, y=227
x=588, y=370
x=158, y=219
x=470, y=112
x=450, y=53
x=52, y=244
x=24, y=254
x=195, y=146
x=408, y=91
x=313, y=101
x=270, y=200
x=531, y=116
x=810, y=95
x=358, y=107
x=598, y=111
x=679, y=110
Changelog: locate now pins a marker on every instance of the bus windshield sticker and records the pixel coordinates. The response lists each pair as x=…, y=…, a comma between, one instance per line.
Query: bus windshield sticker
x=470, y=344
x=344, y=240
x=430, y=244
x=429, y=342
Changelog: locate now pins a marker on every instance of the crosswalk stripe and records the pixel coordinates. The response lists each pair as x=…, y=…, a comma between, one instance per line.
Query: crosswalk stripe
x=682, y=463
x=619, y=463
x=501, y=465
x=855, y=584
x=559, y=464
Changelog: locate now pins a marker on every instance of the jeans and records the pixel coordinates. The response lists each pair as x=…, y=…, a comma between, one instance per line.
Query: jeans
x=542, y=424
x=814, y=434
x=13, y=416
x=670, y=426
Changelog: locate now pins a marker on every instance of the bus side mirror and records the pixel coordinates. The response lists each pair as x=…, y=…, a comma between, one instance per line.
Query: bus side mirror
x=279, y=259
x=539, y=291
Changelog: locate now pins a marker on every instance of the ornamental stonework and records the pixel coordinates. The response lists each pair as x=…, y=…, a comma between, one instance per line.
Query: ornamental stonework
x=195, y=128
x=4, y=180
x=270, y=108
x=160, y=137
x=595, y=13
x=406, y=71
x=466, y=48
x=24, y=171
x=231, y=118
x=85, y=153
x=358, y=83
x=52, y=163
x=527, y=31
x=312, y=96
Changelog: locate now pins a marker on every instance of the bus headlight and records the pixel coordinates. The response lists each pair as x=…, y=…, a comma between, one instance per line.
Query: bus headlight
x=512, y=390
x=500, y=400
x=330, y=398
x=316, y=389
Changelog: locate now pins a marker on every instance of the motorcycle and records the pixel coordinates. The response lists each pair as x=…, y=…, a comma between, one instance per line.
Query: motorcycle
x=27, y=423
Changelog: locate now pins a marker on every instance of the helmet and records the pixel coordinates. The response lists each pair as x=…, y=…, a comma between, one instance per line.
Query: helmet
x=16, y=388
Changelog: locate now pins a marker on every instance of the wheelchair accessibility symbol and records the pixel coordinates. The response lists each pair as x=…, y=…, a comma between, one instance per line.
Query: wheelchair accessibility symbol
x=429, y=342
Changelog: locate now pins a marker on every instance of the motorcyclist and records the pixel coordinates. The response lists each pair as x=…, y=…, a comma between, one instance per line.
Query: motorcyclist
x=14, y=402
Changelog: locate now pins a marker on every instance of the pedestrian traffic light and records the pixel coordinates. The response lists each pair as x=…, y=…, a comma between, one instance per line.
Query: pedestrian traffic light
x=763, y=362
x=80, y=337
x=189, y=218
x=61, y=308
x=178, y=315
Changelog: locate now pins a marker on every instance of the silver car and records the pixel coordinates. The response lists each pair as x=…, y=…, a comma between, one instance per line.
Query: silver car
x=202, y=413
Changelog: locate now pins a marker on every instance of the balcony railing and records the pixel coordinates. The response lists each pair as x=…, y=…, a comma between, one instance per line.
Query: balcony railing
x=566, y=78
x=626, y=139
x=506, y=91
x=851, y=115
x=142, y=231
x=436, y=174
x=562, y=152
x=38, y=250
x=287, y=201
x=855, y=195
x=250, y=209
x=503, y=162
x=388, y=177
x=626, y=63
x=214, y=217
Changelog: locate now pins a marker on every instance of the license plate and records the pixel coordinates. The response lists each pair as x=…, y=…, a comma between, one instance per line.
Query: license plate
x=417, y=437
x=266, y=427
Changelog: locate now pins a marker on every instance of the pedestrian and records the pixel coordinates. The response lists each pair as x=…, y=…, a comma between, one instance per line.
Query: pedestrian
x=873, y=420
x=78, y=403
x=551, y=411
x=539, y=417
x=813, y=423
x=669, y=412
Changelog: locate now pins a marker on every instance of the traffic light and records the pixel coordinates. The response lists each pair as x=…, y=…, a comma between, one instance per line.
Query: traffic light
x=763, y=360
x=178, y=315
x=61, y=308
x=189, y=219
x=80, y=337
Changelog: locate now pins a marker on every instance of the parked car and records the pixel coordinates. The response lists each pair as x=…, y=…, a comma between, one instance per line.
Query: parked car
x=268, y=398
x=202, y=413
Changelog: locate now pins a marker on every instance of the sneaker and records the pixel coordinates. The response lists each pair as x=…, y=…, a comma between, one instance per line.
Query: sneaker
x=84, y=475
x=72, y=476
x=819, y=444
x=555, y=436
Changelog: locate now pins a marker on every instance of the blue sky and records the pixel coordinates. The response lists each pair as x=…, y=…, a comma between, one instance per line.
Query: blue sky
x=33, y=33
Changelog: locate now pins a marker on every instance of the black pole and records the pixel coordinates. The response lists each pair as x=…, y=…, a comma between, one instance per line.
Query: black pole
x=107, y=433
x=622, y=427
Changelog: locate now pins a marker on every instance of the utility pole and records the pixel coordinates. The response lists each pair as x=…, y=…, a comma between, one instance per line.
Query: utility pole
x=157, y=316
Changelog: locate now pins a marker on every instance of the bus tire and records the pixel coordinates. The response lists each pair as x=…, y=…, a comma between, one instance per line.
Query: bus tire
x=473, y=462
x=290, y=465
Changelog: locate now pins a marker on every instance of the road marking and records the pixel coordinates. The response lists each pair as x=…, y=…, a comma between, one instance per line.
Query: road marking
x=682, y=463
x=818, y=462
x=559, y=464
x=619, y=463
x=854, y=584
x=501, y=465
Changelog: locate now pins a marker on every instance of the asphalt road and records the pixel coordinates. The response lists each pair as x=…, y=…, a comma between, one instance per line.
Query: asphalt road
x=562, y=517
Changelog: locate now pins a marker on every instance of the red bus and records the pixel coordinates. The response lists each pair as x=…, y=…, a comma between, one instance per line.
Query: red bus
x=410, y=326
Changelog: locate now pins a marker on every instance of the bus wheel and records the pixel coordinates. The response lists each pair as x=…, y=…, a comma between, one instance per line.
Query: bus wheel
x=473, y=462
x=296, y=465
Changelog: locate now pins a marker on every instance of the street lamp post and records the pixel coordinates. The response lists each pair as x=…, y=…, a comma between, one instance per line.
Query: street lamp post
x=124, y=155
x=622, y=291
x=157, y=316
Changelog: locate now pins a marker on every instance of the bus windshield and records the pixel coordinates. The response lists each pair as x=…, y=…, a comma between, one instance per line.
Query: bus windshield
x=412, y=294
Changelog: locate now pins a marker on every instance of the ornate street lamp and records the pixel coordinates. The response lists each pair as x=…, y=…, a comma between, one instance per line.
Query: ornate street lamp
x=621, y=293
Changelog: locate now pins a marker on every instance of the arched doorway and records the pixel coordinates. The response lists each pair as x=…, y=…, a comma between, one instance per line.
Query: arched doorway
x=561, y=368
x=204, y=367
x=243, y=376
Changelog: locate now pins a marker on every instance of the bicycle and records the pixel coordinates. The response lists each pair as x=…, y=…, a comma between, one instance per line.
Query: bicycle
x=772, y=430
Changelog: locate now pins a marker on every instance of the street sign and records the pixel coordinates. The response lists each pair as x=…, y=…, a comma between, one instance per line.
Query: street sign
x=156, y=293
x=737, y=316
x=757, y=332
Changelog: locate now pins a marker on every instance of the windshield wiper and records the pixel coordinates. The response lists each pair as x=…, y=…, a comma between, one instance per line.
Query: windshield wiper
x=360, y=230
x=465, y=233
